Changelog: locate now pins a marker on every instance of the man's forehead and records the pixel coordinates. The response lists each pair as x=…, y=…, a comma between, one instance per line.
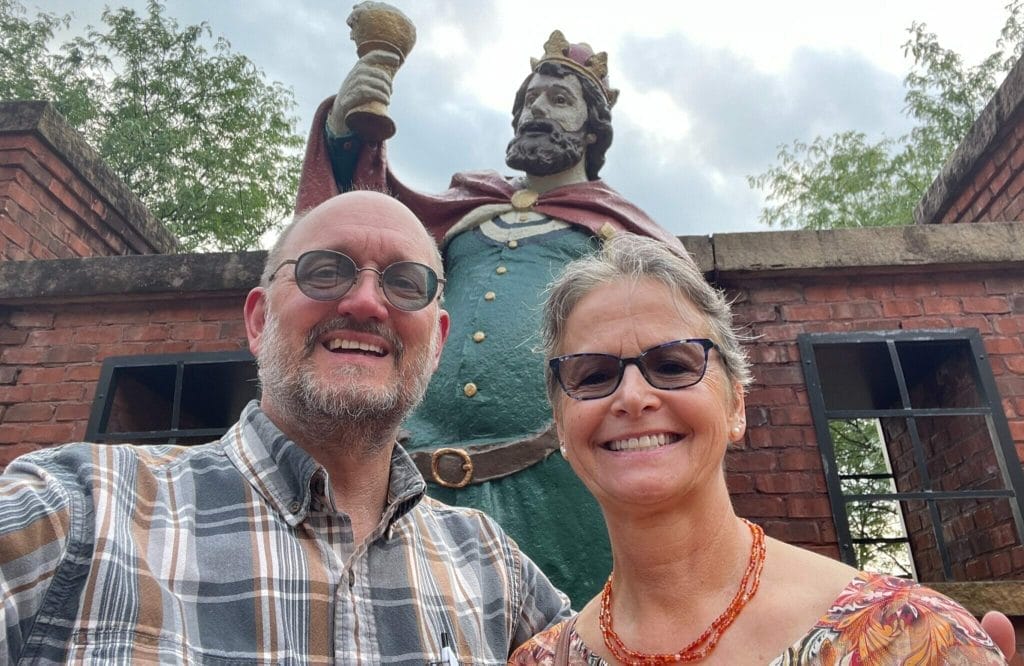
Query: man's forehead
x=363, y=236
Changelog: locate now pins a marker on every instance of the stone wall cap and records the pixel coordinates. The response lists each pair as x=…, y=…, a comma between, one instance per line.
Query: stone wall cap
x=129, y=276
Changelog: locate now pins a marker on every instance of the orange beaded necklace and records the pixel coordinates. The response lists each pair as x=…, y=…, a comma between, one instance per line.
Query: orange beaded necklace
x=707, y=641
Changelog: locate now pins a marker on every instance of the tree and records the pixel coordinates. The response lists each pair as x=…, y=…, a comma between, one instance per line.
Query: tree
x=863, y=468
x=192, y=128
x=849, y=180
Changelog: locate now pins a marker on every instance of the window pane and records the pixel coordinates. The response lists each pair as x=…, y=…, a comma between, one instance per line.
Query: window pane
x=142, y=398
x=880, y=537
x=939, y=374
x=857, y=376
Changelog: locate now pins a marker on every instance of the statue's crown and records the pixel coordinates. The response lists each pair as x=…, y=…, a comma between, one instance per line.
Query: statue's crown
x=581, y=59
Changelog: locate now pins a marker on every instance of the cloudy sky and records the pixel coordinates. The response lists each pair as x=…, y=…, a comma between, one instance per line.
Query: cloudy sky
x=709, y=91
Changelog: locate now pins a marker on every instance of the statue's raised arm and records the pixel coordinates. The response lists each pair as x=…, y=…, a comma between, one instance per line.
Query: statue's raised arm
x=384, y=36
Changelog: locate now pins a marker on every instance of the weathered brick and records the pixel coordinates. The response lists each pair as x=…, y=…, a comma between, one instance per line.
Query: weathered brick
x=1004, y=345
x=72, y=412
x=194, y=331
x=959, y=287
x=57, y=392
x=828, y=293
x=902, y=308
x=804, y=312
x=916, y=290
x=808, y=507
x=870, y=291
x=777, y=333
x=794, y=531
x=856, y=310
x=31, y=318
x=772, y=294
x=29, y=412
x=89, y=372
x=750, y=461
x=941, y=305
x=790, y=416
x=69, y=354
x=23, y=355
x=779, y=375
x=50, y=433
x=14, y=394
x=759, y=506
x=788, y=483
x=98, y=335
x=10, y=451
x=985, y=304
x=49, y=338
x=800, y=460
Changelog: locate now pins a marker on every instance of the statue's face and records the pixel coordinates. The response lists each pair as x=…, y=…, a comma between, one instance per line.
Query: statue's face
x=556, y=99
x=551, y=128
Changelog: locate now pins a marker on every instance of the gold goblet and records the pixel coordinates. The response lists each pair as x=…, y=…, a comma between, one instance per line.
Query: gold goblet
x=378, y=26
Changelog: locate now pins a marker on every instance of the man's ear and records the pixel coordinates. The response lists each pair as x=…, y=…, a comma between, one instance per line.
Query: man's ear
x=444, y=323
x=255, y=313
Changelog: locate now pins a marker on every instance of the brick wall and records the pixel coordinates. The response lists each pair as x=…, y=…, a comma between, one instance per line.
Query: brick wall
x=776, y=476
x=50, y=357
x=983, y=180
x=995, y=190
x=58, y=199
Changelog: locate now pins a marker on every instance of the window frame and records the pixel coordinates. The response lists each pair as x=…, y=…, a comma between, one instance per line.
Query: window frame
x=102, y=403
x=991, y=409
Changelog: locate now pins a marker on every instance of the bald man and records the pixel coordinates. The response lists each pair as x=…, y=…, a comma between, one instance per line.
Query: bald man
x=304, y=534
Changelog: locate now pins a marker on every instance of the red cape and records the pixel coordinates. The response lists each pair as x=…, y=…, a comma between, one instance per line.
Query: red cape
x=591, y=204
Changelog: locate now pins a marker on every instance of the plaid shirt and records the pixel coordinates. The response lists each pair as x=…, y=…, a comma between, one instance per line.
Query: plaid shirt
x=233, y=552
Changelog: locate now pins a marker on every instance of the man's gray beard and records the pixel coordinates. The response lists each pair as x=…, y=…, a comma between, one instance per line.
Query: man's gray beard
x=546, y=154
x=337, y=404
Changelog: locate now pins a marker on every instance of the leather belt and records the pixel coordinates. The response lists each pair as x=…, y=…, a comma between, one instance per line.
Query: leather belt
x=459, y=467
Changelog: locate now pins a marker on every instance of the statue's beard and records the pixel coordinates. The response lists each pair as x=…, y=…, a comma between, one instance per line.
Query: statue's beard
x=542, y=148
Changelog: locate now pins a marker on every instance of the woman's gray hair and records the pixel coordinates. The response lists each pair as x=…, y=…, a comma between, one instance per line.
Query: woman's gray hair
x=628, y=256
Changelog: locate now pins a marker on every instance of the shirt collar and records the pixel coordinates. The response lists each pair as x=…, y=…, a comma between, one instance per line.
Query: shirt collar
x=282, y=472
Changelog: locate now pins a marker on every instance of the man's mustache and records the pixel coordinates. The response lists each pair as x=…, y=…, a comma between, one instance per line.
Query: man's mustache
x=349, y=324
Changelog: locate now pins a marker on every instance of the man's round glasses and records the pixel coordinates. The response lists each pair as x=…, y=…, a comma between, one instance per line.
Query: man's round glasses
x=326, y=275
x=671, y=365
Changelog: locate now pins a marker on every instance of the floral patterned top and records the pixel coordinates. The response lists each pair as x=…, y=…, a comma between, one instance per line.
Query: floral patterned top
x=876, y=620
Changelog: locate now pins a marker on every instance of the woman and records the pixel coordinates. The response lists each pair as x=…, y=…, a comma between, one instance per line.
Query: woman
x=646, y=377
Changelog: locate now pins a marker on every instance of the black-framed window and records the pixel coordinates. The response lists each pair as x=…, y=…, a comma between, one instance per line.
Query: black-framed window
x=922, y=473
x=171, y=398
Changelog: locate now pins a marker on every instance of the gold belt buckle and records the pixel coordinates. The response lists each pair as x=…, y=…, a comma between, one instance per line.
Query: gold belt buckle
x=467, y=467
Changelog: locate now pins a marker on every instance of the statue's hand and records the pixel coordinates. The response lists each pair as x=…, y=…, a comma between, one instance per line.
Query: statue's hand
x=369, y=81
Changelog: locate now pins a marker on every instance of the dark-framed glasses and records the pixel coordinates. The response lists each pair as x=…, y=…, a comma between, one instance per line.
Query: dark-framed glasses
x=326, y=275
x=669, y=366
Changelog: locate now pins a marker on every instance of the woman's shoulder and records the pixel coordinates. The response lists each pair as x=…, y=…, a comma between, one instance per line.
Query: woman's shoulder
x=899, y=619
x=541, y=648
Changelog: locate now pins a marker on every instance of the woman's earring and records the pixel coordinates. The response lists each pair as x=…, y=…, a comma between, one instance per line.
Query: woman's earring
x=561, y=448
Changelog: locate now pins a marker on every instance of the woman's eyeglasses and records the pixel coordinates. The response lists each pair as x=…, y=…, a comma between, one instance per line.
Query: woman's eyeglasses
x=672, y=365
x=326, y=275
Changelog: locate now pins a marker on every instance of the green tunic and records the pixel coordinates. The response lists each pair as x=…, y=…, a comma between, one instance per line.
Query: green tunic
x=497, y=273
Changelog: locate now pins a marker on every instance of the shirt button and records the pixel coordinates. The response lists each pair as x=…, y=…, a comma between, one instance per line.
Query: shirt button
x=294, y=507
x=513, y=244
x=469, y=389
x=479, y=336
x=489, y=296
x=501, y=270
